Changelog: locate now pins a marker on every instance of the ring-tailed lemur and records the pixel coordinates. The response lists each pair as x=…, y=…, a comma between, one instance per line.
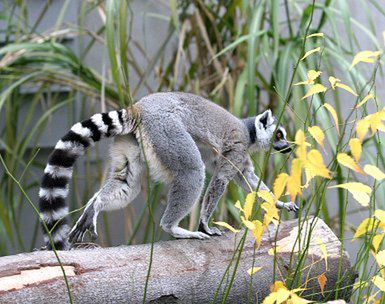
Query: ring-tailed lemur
x=179, y=135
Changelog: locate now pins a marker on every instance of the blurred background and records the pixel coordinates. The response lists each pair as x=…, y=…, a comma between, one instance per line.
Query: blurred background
x=61, y=61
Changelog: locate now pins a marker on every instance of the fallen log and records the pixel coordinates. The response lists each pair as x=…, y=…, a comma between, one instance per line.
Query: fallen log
x=183, y=271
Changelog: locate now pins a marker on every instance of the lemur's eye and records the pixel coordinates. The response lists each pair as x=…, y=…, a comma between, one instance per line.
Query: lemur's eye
x=279, y=135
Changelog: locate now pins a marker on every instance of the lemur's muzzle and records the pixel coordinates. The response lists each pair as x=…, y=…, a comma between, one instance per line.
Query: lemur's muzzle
x=282, y=146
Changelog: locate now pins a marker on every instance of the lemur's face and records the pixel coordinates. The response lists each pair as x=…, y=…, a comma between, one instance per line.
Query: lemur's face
x=265, y=125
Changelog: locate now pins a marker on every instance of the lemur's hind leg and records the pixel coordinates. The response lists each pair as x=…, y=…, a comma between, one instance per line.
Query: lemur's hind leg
x=228, y=164
x=184, y=192
x=122, y=186
x=178, y=156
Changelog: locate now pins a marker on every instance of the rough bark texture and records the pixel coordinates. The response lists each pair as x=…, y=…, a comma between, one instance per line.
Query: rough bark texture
x=183, y=271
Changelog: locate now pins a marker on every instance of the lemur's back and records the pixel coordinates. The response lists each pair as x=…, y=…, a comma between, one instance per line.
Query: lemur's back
x=205, y=121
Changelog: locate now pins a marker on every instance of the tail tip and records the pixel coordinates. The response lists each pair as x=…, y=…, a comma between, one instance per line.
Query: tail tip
x=59, y=238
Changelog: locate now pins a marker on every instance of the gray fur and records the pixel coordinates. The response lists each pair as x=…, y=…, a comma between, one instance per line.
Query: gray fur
x=122, y=186
x=183, y=135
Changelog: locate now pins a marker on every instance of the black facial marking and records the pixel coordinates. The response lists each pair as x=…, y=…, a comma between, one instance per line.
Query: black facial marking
x=279, y=135
x=250, y=125
x=252, y=132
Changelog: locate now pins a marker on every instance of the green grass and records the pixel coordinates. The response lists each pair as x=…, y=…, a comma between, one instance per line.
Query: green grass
x=243, y=55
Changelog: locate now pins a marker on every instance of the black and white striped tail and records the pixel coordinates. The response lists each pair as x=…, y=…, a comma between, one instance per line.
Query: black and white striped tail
x=58, y=172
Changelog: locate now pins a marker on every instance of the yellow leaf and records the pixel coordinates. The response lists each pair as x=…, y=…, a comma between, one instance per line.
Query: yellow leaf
x=381, y=127
x=361, y=197
x=374, y=172
x=294, y=180
x=315, y=35
x=356, y=148
x=238, y=206
x=381, y=113
x=380, y=258
x=372, y=298
x=267, y=219
x=299, y=137
x=275, y=250
x=314, y=158
x=333, y=81
x=359, y=284
x=317, y=133
x=271, y=214
x=301, y=83
x=297, y=290
x=277, y=285
x=311, y=76
x=249, y=203
x=349, y=162
x=302, y=144
x=366, y=225
x=334, y=115
x=379, y=282
x=375, y=121
x=308, y=53
x=253, y=270
x=346, y=88
x=365, y=56
x=322, y=279
x=362, y=128
x=315, y=166
x=363, y=101
x=280, y=184
x=279, y=296
x=266, y=196
x=298, y=300
x=249, y=225
x=224, y=224
x=355, y=186
x=315, y=89
x=380, y=215
x=309, y=174
x=358, y=190
x=258, y=231
x=377, y=239
x=282, y=295
x=322, y=246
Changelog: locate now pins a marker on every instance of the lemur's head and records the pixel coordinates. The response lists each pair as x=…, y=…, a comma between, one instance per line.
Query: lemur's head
x=265, y=125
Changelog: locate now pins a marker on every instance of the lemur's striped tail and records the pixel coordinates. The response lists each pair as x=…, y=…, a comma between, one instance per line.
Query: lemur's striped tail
x=57, y=173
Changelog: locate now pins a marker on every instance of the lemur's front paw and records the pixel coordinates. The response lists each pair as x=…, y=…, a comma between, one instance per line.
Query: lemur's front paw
x=289, y=206
x=204, y=227
x=85, y=222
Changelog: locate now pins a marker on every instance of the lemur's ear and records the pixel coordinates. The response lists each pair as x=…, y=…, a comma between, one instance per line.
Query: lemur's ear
x=264, y=119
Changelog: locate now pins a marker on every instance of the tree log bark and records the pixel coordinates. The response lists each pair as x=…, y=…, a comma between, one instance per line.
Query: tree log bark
x=183, y=271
